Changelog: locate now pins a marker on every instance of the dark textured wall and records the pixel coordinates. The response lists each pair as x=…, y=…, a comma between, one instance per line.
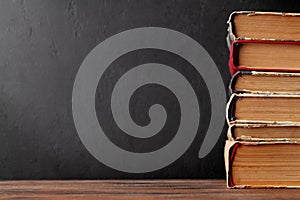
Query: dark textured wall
x=43, y=44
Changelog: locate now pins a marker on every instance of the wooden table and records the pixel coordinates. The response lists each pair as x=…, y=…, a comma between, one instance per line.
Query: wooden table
x=136, y=189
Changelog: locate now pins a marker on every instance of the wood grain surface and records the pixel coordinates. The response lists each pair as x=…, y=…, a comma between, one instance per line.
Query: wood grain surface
x=136, y=189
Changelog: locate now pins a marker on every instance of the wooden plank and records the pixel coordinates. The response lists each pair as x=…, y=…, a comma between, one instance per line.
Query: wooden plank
x=135, y=189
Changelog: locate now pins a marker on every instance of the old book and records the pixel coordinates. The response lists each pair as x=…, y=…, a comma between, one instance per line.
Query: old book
x=264, y=56
x=264, y=132
x=263, y=26
x=265, y=82
x=263, y=108
x=262, y=164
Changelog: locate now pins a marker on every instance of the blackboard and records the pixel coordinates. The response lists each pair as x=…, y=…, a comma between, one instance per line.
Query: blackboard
x=45, y=43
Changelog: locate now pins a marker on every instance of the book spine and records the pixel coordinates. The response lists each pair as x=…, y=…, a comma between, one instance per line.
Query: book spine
x=234, y=79
x=229, y=152
x=230, y=30
x=231, y=36
x=230, y=133
x=230, y=109
x=231, y=62
x=228, y=41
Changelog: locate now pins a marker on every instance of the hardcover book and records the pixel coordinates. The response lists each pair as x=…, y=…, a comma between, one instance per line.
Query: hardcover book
x=247, y=25
x=262, y=164
x=265, y=82
x=264, y=132
x=260, y=55
x=263, y=108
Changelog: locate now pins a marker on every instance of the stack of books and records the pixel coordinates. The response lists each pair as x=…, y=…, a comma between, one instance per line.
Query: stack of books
x=263, y=113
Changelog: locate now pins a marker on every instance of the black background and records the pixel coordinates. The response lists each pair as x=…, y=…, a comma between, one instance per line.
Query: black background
x=43, y=44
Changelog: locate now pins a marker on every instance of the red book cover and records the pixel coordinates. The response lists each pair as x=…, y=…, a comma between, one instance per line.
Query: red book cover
x=234, y=65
